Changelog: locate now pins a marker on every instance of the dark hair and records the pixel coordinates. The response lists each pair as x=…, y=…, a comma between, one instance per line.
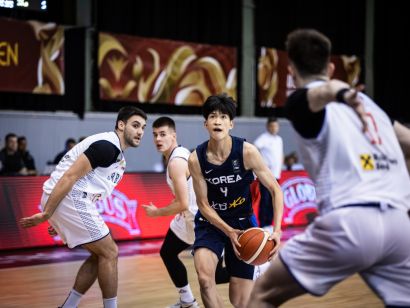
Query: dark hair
x=21, y=138
x=309, y=51
x=222, y=103
x=69, y=140
x=10, y=135
x=164, y=121
x=127, y=112
x=271, y=119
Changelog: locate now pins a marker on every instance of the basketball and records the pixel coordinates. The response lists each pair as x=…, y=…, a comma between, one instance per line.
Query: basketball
x=255, y=246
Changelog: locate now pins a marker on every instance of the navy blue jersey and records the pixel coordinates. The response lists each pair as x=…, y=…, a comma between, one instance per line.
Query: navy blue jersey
x=228, y=184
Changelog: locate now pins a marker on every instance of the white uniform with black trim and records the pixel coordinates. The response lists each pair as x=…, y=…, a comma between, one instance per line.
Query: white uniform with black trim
x=350, y=168
x=76, y=218
x=183, y=223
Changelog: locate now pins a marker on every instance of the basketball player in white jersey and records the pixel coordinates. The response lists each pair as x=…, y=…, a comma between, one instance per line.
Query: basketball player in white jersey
x=181, y=231
x=351, y=150
x=87, y=173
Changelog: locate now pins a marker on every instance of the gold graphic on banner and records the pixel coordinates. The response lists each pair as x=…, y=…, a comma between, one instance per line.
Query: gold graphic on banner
x=183, y=77
x=351, y=65
x=49, y=77
x=268, y=76
x=9, y=54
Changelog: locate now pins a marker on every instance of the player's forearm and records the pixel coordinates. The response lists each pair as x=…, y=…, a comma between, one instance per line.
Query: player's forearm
x=175, y=207
x=319, y=97
x=62, y=188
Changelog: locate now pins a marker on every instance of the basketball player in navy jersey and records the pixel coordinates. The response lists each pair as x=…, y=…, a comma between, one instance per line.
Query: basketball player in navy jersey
x=222, y=171
x=89, y=172
x=352, y=151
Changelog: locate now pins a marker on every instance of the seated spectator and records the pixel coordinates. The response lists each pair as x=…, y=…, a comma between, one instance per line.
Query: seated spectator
x=292, y=162
x=28, y=160
x=69, y=144
x=11, y=160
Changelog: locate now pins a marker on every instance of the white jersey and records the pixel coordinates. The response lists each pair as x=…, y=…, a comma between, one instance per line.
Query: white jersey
x=271, y=149
x=349, y=166
x=98, y=183
x=183, y=223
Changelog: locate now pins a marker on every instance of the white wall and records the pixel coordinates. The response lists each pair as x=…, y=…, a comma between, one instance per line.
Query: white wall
x=46, y=133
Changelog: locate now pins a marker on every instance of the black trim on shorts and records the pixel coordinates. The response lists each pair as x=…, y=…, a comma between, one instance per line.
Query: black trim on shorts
x=93, y=241
x=294, y=278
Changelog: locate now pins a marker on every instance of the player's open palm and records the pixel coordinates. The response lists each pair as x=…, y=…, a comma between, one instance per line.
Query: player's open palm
x=32, y=221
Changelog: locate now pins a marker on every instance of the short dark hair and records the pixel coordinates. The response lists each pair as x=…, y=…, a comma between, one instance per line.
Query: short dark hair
x=271, y=119
x=164, y=121
x=127, y=112
x=21, y=138
x=309, y=51
x=10, y=135
x=69, y=140
x=222, y=103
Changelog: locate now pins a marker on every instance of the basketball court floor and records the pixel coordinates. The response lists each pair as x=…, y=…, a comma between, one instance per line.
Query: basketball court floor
x=43, y=277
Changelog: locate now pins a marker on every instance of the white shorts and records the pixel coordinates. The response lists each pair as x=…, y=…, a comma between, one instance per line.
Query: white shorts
x=77, y=220
x=367, y=240
x=183, y=227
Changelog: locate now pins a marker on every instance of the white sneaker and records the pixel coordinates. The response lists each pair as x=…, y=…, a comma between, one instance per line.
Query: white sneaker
x=182, y=304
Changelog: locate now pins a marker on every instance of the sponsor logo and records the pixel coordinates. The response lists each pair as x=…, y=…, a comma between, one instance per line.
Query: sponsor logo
x=208, y=171
x=370, y=162
x=299, y=195
x=236, y=166
x=121, y=211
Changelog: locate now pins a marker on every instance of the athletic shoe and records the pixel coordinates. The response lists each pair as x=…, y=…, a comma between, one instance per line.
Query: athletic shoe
x=182, y=304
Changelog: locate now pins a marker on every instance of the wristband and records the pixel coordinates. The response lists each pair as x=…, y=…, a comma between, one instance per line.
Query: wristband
x=340, y=95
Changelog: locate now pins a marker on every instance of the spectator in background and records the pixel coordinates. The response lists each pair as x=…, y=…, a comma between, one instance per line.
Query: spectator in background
x=69, y=144
x=292, y=162
x=11, y=160
x=270, y=145
x=28, y=160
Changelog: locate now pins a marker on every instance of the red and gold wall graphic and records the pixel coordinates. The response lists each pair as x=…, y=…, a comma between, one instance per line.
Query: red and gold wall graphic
x=31, y=57
x=274, y=82
x=163, y=71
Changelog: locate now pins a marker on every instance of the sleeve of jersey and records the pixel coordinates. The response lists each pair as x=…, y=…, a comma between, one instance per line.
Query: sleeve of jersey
x=306, y=122
x=102, y=153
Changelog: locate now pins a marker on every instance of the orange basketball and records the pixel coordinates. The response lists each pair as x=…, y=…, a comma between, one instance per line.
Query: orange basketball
x=255, y=246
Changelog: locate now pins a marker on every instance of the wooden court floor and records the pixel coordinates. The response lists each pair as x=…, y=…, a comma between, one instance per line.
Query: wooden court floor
x=144, y=282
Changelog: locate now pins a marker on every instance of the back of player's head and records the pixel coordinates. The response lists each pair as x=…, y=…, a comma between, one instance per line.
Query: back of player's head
x=164, y=121
x=127, y=112
x=222, y=103
x=309, y=51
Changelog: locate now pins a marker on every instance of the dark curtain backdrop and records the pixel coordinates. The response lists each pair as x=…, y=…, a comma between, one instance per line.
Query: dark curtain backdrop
x=343, y=22
x=392, y=58
x=210, y=22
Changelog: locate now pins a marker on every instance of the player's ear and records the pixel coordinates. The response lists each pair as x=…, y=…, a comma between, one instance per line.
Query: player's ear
x=121, y=125
x=330, y=69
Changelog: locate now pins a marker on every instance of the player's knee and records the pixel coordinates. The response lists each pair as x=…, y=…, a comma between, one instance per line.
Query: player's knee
x=205, y=281
x=110, y=252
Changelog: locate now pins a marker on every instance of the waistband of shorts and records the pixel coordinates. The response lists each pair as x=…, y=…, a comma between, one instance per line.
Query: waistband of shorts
x=380, y=205
x=248, y=215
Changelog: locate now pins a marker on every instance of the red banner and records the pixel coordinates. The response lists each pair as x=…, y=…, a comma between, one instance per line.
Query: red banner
x=122, y=211
x=162, y=71
x=31, y=57
x=274, y=82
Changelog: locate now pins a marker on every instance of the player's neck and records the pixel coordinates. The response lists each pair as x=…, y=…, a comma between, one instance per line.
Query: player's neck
x=219, y=150
x=168, y=152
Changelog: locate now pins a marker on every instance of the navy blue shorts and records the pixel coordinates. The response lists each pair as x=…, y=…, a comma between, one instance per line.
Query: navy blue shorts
x=210, y=237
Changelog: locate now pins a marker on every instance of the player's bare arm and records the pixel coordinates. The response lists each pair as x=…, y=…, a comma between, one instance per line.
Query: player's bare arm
x=201, y=192
x=80, y=168
x=178, y=172
x=254, y=161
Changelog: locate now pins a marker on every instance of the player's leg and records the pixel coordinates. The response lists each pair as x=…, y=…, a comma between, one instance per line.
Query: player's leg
x=274, y=287
x=169, y=252
x=205, y=265
x=107, y=252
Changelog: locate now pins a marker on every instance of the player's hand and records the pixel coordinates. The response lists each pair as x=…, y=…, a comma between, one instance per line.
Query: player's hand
x=36, y=219
x=51, y=231
x=354, y=101
x=275, y=236
x=233, y=235
x=150, y=209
